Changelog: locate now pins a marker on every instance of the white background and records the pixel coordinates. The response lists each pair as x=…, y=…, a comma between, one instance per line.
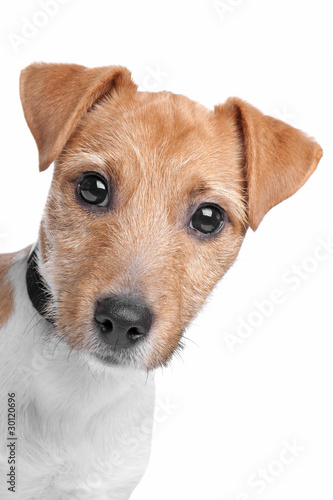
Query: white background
x=231, y=412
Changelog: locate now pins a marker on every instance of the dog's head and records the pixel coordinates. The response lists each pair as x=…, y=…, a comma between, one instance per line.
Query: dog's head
x=151, y=198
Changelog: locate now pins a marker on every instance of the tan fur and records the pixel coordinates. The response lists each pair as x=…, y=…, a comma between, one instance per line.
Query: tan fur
x=163, y=155
x=6, y=290
x=56, y=97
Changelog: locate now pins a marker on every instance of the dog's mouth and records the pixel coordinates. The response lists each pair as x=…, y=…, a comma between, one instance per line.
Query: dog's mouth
x=108, y=359
x=133, y=357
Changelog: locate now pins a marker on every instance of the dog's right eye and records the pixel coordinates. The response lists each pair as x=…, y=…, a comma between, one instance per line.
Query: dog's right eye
x=93, y=189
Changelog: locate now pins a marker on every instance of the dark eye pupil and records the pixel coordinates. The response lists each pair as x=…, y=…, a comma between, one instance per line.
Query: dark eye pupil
x=207, y=219
x=93, y=190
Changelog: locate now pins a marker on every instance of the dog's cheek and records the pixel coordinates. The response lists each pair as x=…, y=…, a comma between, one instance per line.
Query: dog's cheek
x=208, y=262
x=67, y=259
x=191, y=278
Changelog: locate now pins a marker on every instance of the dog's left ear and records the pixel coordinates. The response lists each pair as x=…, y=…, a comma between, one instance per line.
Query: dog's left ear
x=278, y=158
x=55, y=97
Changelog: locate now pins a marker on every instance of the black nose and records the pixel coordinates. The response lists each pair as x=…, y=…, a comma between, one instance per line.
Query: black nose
x=122, y=321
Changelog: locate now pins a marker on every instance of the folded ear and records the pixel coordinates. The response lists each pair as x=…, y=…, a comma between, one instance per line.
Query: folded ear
x=56, y=96
x=278, y=158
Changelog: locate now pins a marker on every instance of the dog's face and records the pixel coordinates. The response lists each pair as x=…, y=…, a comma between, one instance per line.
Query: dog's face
x=162, y=162
x=150, y=200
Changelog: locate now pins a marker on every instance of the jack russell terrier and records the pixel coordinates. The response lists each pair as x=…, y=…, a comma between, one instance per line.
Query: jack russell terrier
x=150, y=201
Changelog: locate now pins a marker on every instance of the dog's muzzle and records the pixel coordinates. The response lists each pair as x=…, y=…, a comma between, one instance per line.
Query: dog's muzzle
x=120, y=321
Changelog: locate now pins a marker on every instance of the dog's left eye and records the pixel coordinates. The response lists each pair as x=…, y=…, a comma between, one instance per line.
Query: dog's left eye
x=93, y=190
x=208, y=219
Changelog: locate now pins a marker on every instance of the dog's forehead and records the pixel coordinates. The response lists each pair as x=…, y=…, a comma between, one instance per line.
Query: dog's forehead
x=159, y=136
x=147, y=123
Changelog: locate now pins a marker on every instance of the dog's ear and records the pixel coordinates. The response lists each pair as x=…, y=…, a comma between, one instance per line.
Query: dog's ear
x=56, y=96
x=278, y=158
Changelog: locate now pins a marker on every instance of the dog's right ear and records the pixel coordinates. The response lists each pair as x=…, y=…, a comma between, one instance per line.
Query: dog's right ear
x=55, y=97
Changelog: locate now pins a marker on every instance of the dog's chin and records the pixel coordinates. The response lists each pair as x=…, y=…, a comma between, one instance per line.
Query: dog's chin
x=109, y=364
x=112, y=360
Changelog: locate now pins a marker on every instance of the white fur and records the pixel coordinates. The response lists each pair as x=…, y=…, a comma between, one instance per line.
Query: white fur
x=79, y=425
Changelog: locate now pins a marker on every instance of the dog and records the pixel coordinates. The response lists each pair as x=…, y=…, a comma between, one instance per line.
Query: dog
x=151, y=197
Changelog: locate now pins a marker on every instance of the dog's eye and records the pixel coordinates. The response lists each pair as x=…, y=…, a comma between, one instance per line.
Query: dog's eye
x=208, y=219
x=93, y=190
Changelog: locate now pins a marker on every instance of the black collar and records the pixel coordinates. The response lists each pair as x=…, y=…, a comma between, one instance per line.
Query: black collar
x=38, y=290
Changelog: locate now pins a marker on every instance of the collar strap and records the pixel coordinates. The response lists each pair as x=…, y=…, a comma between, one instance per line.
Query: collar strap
x=37, y=288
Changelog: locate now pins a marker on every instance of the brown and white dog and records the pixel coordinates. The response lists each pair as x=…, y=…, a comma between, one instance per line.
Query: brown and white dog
x=150, y=200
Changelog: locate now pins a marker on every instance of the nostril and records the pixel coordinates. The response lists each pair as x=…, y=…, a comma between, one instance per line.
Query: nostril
x=103, y=319
x=134, y=333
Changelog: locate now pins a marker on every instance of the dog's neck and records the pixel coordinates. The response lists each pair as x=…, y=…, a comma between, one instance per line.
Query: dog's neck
x=38, y=289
